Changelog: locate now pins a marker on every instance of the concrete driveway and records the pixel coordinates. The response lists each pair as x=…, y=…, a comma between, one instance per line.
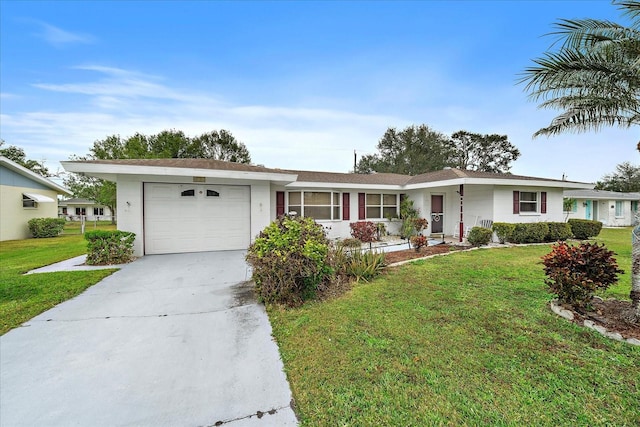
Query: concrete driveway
x=169, y=340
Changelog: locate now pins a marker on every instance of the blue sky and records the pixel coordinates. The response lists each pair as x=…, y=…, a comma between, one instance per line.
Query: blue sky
x=302, y=84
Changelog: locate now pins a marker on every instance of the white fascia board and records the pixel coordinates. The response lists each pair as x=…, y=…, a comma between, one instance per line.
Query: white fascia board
x=502, y=182
x=10, y=164
x=111, y=171
x=342, y=185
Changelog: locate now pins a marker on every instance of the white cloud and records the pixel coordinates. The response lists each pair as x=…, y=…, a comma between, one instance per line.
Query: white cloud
x=58, y=37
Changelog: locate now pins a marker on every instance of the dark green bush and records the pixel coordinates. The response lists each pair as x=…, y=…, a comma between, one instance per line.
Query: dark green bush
x=585, y=228
x=109, y=247
x=558, y=231
x=532, y=232
x=574, y=273
x=45, y=227
x=479, y=236
x=503, y=230
x=290, y=260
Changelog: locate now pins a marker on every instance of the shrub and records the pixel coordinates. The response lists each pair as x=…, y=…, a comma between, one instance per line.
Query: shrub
x=479, y=236
x=290, y=260
x=574, y=273
x=584, y=228
x=558, y=231
x=109, y=247
x=409, y=214
x=418, y=242
x=533, y=232
x=420, y=224
x=504, y=231
x=360, y=264
x=350, y=243
x=381, y=230
x=365, y=231
x=45, y=227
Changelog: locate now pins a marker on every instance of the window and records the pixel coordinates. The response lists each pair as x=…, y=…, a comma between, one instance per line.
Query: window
x=81, y=211
x=316, y=204
x=28, y=202
x=528, y=201
x=619, y=208
x=381, y=206
x=188, y=193
x=98, y=211
x=211, y=193
x=634, y=206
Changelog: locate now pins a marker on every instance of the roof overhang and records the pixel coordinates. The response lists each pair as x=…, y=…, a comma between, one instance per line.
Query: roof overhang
x=39, y=198
x=110, y=172
x=13, y=166
x=347, y=186
x=565, y=185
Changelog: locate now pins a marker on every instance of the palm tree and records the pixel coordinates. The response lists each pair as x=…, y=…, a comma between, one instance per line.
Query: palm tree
x=592, y=75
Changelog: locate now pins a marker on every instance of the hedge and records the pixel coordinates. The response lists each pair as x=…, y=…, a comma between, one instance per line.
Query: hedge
x=109, y=247
x=585, y=228
x=46, y=227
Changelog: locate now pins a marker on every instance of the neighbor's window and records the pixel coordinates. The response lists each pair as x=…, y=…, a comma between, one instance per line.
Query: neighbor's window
x=98, y=211
x=315, y=204
x=381, y=206
x=619, y=208
x=528, y=201
x=81, y=211
x=29, y=203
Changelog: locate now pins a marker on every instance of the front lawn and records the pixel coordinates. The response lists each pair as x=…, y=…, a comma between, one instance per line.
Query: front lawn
x=23, y=297
x=466, y=339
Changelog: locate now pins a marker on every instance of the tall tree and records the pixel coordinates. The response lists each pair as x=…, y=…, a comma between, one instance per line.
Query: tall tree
x=487, y=153
x=17, y=154
x=411, y=151
x=592, y=75
x=172, y=143
x=625, y=179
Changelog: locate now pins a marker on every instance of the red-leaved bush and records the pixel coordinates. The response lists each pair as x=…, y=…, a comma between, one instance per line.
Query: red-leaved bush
x=365, y=231
x=574, y=273
x=418, y=242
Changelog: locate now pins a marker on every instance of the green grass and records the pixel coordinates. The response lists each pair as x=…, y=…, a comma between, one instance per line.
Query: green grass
x=23, y=297
x=466, y=339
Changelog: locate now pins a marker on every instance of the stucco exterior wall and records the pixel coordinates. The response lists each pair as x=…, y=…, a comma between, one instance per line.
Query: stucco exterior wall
x=605, y=212
x=503, y=205
x=14, y=218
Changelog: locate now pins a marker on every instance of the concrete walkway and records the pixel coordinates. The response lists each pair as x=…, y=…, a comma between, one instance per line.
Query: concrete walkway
x=169, y=340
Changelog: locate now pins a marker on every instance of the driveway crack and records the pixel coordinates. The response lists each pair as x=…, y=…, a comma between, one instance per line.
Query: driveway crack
x=258, y=414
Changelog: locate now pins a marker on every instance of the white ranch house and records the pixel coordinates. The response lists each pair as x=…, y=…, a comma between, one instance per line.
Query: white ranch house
x=612, y=209
x=75, y=209
x=190, y=205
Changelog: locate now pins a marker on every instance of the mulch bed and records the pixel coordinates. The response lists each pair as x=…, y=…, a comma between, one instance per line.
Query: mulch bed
x=612, y=314
x=407, y=254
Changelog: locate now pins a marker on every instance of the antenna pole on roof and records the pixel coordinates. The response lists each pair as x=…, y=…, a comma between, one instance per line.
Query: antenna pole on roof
x=355, y=161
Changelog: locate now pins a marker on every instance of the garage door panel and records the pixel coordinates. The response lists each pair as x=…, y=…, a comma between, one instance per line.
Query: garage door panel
x=216, y=217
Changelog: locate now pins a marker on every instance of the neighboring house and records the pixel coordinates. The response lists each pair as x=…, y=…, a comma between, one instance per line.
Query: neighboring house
x=190, y=205
x=611, y=208
x=75, y=209
x=24, y=195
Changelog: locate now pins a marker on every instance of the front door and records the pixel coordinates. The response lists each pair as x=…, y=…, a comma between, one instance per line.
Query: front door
x=437, y=213
x=587, y=211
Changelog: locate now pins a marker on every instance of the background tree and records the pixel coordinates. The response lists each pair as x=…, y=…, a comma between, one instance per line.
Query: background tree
x=593, y=78
x=487, y=153
x=411, y=151
x=216, y=145
x=625, y=179
x=18, y=155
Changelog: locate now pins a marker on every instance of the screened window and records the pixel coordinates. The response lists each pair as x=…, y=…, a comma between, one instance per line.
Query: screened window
x=619, y=208
x=528, y=201
x=315, y=204
x=381, y=205
x=98, y=211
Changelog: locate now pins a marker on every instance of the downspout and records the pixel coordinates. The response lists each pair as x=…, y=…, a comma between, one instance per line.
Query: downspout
x=461, y=231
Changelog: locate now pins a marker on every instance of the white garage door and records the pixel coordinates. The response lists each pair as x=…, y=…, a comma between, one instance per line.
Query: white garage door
x=196, y=217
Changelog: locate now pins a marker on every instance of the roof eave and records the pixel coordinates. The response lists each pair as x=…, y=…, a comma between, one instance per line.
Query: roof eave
x=9, y=164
